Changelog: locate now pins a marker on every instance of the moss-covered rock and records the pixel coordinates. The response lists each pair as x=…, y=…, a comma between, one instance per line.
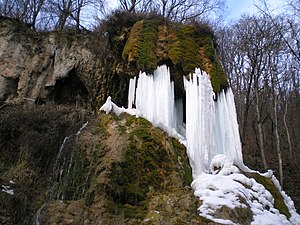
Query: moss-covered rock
x=182, y=47
x=118, y=170
x=271, y=187
x=152, y=163
x=30, y=138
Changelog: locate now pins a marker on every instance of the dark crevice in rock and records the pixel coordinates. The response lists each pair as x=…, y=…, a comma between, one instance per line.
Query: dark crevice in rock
x=70, y=90
x=8, y=88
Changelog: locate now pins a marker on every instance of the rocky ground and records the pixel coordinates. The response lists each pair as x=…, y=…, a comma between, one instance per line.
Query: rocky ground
x=118, y=170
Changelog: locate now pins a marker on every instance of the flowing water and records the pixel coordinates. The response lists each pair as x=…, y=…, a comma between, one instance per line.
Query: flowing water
x=61, y=168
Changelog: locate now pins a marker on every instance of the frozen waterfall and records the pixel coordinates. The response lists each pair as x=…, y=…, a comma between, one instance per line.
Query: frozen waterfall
x=200, y=122
x=154, y=97
x=211, y=127
x=212, y=139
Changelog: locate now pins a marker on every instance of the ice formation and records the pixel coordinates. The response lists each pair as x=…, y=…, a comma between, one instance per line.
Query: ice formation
x=154, y=97
x=200, y=136
x=212, y=140
x=109, y=107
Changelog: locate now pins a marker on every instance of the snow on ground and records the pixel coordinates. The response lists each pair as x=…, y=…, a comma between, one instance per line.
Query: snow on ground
x=110, y=107
x=212, y=140
x=225, y=186
x=7, y=189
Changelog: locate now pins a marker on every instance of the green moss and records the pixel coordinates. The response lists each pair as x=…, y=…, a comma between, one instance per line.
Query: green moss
x=148, y=163
x=218, y=78
x=183, y=48
x=102, y=124
x=128, y=211
x=187, y=47
x=132, y=46
x=129, y=120
x=147, y=60
x=270, y=186
x=74, y=178
x=141, y=45
x=184, y=167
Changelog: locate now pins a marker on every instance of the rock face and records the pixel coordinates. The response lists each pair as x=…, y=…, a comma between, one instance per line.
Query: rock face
x=59, y=67
x=85, y=68
x=57, y=169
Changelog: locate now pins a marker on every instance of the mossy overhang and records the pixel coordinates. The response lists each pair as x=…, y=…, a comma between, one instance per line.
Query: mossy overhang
x=182, y=47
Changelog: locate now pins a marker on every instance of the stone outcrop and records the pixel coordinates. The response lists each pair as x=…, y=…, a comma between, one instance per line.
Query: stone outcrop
x=53, y=66
x=84, y=68
x=116, y=170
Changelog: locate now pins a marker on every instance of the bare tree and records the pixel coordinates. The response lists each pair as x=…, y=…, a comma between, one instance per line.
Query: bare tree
x=295, y=6
x=290, y=32
x=129, y=5
x=247, y=48
x=176, y=10
x=51, y=14
x=26, y=11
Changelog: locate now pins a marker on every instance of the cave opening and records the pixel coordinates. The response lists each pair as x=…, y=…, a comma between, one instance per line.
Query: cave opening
x=8, y=88
x=70, y=90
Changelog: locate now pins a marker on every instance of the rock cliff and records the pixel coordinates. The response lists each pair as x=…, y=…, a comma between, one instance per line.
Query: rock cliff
x=86, y=67
x=55, y=67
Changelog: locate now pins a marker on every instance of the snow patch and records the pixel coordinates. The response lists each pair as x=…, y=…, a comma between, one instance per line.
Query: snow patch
x=222, y=165
x=228, y=187
x=7, y=190
x=110, y=107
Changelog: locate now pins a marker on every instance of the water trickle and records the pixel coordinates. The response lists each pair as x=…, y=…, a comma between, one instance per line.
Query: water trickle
x=61, y=169
x=38, y=215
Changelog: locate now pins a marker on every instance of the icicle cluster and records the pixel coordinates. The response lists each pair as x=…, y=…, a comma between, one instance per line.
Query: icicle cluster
x=226, y=131
x=200, y=114
x=211, y=127
x=154, y=97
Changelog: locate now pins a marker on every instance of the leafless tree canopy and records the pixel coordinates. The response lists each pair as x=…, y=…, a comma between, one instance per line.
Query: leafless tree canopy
x=175, y=10
x=59, y=14
x=261, y=57
x=51, y=14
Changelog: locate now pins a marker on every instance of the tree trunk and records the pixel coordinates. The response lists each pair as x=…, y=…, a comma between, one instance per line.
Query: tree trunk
x=277, y=139
x=247, y=106
x=259, y=127
x=288, y=132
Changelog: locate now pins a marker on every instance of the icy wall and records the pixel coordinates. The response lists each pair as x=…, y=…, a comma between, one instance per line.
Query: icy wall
x=211, y=127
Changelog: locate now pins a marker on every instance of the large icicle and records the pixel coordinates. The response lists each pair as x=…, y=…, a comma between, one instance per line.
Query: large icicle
x=131, y=92
x=155, y=97
x=226, y=130
x=200, y=113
